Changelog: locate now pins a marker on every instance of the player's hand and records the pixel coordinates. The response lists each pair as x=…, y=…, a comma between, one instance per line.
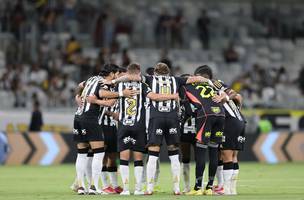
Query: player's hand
x=79, y=101
x=130, y=93
x=91, y=99
x=219, y=98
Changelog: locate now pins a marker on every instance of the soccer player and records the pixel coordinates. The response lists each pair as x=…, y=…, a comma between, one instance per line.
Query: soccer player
x=131, y=127
x=210, y=119
x=89, y=132
x=234, y=138
x=187, y=139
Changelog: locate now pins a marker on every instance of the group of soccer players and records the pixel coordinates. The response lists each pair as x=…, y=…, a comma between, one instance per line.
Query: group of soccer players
x=124, y=113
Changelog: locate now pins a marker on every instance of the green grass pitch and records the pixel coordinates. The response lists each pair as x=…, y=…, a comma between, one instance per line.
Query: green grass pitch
x=257, y=181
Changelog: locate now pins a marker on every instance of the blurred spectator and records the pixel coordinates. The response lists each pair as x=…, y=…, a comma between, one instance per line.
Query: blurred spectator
x=125, y=58
x=162, y=28
x=230, y=54
x=17, y=19
x=73, y=47
x=164, y=58
x=203, y=29
x=36, y=120
x=48, y=21
x=178, y=22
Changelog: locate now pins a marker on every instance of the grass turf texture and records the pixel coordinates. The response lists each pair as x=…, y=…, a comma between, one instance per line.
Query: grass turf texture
x=257, y=181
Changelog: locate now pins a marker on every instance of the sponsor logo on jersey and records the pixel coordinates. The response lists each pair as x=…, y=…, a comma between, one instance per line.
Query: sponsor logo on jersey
x=241, y=139
x=83, y=132
x=75, y=131
x=207, y=134
x=219, y=134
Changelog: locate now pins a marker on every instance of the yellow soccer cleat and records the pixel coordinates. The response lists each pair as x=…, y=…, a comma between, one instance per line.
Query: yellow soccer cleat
x=157, y=189
x=192, y=192
x=199, y=193
x=208, y=192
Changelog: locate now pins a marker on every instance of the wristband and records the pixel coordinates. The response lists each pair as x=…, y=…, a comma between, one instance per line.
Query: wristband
x=120, y=93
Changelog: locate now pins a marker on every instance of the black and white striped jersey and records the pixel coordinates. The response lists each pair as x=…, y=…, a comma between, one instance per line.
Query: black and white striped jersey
x=132, y=110
x=231, y=108
x=164, y=85
x=92, y=87
x=104, y=119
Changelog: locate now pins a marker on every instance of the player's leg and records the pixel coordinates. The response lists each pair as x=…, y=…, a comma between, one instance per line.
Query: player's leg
x=124, y=170
x=155, y=133
x=227, y=156
x=172, y=139
x=103, y=175
x=235, y=173
x=99, y=152
x=112, y=172
x=213, y=162
x=81, y=162
x=138, y=172
x=185, y=152
x=219, y=175
x=88, y=172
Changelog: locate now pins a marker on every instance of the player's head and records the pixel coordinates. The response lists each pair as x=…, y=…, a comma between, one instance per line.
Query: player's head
x=185, y=75
x=133, y=68
x=161, y=69
x=109, y=71
x=150, y=71
x=121, y=71
x=204, y=71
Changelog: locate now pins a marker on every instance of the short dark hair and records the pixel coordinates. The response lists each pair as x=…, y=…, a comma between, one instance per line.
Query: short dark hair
x=122, y=70
x=133, y=68
x=204, y=70
x=161, y=69
x=150, y=71
x=107, y=69
x=185, y=75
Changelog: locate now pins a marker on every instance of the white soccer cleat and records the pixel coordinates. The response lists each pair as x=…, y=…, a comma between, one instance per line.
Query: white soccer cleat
x=81, y=191
x=186, y=190
x=125, y=192
x=94, y=191
x=138, y=192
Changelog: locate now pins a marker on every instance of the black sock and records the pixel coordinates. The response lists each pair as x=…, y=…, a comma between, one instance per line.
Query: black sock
x=200, y=160
x=213, y=163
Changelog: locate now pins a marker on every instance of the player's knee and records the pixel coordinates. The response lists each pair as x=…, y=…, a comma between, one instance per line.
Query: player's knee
x=172, y=148
x=154, y=148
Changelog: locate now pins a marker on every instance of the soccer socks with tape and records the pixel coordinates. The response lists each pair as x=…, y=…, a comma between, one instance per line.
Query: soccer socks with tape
x=200, y=160
x=234, y=178
x=112, y=172
x=227, y=173
x=144, y=177
x=219, y=174
x=213, y=162
x=104, y=178
x=97, y=165
x=88, y=172
x=81, y=162
x=124, y=172
x=157, y=172
x=151, y=169
x=186, y=174
x=175, y=169
x=138, y=171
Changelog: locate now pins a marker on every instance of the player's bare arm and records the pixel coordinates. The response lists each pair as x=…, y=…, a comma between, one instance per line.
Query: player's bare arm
x=162, y=97
x=102, y=102
x=111, y=95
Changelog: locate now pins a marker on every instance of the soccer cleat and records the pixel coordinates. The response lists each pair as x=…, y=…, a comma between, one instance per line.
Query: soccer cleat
x=94, y=191
x=192, y=192
x=148, y=192
x=118, y=190
x=109, y=190
x=208, y=192
x=157, y=188
x=186, y=190
x=218, y=190
x=125, y=192
x=81, y=191
x=138, y=192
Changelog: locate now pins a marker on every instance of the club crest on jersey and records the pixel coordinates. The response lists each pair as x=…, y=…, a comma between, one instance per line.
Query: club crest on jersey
x=216, y=110
x=172, y=131
x=128, y=139
x=159, y=131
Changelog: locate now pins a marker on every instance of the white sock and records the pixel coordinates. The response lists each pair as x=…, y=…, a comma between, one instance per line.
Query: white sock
x=124, y=172
x=144, y=177
x=96, y=168
x=186, y=175
x=113, y=179
x=227, y=180
x=175, y=170
x=88, y=172
x=234, y=181
x=138, y=171
x=157, y=172
x=219, y=176
x=151, y=169
x=104, y=178
x=80, y=164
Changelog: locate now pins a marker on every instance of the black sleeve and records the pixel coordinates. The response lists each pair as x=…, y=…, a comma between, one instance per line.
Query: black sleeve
x=145, y=89
x=148, y=80
x=100, y=86
x=181, y=81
